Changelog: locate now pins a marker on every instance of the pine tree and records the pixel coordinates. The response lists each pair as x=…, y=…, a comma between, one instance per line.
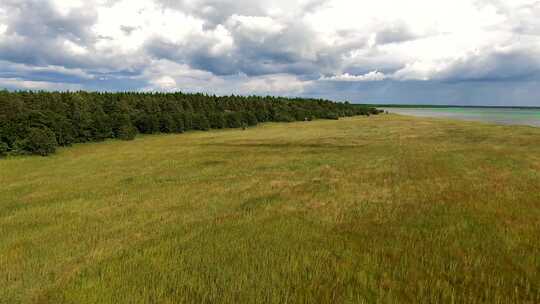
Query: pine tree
x=4, y=148
x=36, y=122
x=39, y=141
x=168, y=125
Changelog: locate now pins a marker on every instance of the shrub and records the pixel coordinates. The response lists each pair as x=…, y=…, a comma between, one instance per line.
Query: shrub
x=251, y=119
x=39, y=141
x=168, y=125
x=204, y=124
x=233, y=119
x=127, y=132
x=3, y=149
x=217, y=121
x=332, y=116
x=283, y=117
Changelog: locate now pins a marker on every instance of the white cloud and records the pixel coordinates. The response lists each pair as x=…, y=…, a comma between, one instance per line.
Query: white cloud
x=3, y=21
x=166, y=83
x=274, y=84
x=223, y=40
x=147, y=19
x=75, y=48
x=166, y=75
x=18, y=83
x=371, y=76
x=65, y=6
x=256, y=25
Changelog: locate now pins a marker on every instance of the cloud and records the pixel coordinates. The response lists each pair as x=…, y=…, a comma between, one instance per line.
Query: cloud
x=186, y=79
x=302, y=47
x=394, y=33
x=165, y=83
x=371, y=76
x=128, y=29
x=506, y=64
x=497, y=64
x=272, y=84
x=429, y=92
x=18, y=84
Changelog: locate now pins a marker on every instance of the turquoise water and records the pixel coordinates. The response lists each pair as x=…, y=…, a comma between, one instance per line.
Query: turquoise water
x=529, y=117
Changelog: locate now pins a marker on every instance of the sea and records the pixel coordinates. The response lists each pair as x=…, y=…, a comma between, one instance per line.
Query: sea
x=507, y=116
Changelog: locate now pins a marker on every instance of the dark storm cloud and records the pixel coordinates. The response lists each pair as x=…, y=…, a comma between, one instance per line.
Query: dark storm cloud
x=45, y=75
x=517, y=65
x=111, y=81
x=524, y=93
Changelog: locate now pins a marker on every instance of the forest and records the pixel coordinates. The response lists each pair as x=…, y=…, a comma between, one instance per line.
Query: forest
x=39, y=122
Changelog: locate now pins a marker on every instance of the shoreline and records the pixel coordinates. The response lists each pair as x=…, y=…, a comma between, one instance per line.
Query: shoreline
x=495, y=118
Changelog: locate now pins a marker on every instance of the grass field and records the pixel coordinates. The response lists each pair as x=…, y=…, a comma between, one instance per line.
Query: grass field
x=387, y=209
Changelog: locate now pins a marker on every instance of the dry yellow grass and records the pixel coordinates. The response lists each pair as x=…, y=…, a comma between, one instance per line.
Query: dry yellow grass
x=388, y=209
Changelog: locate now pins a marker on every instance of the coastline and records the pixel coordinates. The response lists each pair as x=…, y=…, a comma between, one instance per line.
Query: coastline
x=500, y=116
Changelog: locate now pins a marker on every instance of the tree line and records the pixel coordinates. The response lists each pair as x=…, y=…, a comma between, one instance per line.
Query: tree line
x=39, y=122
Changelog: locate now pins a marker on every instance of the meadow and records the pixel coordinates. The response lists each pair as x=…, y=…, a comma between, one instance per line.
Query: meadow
x=380, y=209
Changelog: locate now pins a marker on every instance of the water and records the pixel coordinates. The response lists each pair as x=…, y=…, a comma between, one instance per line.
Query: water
x=529, y=117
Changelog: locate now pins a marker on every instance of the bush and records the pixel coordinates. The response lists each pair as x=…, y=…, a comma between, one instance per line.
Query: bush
x=178, y=122
x=332, y=116
x=251, y=119
x=217, y=121
x=233, y=119
x=168, y=125
x=3, y=149
x=127, y=132
x=39, y=141
x=204, y=124
x=283, y=117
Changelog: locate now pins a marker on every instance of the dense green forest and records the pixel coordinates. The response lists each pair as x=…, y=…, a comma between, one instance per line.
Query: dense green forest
x=38, y=122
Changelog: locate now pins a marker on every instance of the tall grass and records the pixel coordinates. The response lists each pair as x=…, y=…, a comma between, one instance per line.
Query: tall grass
x=385, y=209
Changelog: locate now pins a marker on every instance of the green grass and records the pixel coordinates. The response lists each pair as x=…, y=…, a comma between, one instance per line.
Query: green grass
x=386, y=209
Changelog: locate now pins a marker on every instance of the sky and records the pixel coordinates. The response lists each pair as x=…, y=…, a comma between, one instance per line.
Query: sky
x=460, y=52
